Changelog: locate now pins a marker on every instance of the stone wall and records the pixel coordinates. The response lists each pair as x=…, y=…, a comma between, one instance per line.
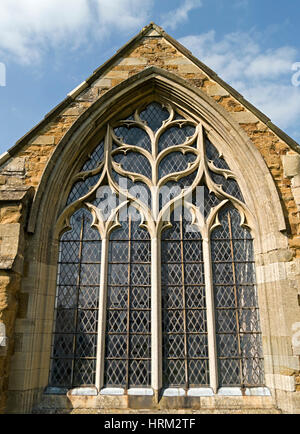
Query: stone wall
x=14, y=203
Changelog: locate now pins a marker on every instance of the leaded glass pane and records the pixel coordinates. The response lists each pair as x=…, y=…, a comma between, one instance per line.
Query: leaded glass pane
x=239, y=344
x=229, y=185
x=154, y=115
x=134, y=162
x=175, y=162
x=175, y=136
x=81, y=188
x=134, y=136
x=185, y=347
x=206, y=199
x=138, y=189
x=73, y=359
x=95, y=158
x=214, y=156
x=128, y=320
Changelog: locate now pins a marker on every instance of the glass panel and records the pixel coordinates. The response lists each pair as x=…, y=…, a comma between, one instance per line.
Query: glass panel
x=73, y=359
x=214, y=156
x=134, y=136
x=207, y=200
x=175, y=162
x=128, y=323
x=239, y=345
x=154, y=115
x=138, y=189
x=229, y=185
x=81, y=188
x=95, y=158
x=175, y=136
x=134, y=162
x=185, y=352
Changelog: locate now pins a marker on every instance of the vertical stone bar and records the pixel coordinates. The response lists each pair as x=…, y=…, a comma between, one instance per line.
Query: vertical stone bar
x=211, y=325
x=156, y=345
x=102, y=316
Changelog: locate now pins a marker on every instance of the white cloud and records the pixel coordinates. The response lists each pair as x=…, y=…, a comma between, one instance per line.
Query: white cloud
x=122, y=14
x=241, y=3
x=180, y=15
x=272, y=64
x=28, y=27
x=262, y=76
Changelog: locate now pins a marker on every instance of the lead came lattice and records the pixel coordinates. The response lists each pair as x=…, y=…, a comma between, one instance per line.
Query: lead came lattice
x=128, y=324
x=73, y=360
x=185, y=347
x=237, y=322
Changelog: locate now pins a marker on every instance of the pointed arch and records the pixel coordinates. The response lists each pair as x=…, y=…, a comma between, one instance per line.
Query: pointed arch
x=153, y=84
x=156, y=84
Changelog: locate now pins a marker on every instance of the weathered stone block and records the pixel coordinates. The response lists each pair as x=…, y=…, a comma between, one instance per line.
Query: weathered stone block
x=103, y=82
x=291, y=165
x=43, y=140
x=15, y=167
x=10, y=235
x=217, y=90
x=244, y=117
x=117, y=74
x=132, y=61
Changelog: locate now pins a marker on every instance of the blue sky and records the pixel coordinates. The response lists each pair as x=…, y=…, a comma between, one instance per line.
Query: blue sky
x=48, y=47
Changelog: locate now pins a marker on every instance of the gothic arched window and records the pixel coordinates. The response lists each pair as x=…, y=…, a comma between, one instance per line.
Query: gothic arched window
x=156, y=276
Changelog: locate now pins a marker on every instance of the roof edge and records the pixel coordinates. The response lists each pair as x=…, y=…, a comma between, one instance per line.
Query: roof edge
x=208, y=71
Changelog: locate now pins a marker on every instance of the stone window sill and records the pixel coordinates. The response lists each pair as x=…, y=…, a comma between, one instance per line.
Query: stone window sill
x=171, y=392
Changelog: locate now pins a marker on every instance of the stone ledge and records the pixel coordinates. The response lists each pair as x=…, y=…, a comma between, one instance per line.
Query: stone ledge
x=169, y=392
x=83, y=391
x=216, y=403
x=15, y=194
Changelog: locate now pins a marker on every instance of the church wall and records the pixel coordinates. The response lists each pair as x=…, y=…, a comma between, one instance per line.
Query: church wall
x=278, y=270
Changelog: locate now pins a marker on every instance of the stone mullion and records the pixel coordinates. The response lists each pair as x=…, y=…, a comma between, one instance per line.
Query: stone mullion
x=156, y=317
x=102, y=315
x=184, y=311
x=128, y=305
x=210, y=312
x=235, y=299
x=77, y=299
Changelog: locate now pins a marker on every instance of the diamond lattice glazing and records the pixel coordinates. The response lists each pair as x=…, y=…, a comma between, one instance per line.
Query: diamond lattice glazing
x=185, y=355
x=128, y=323
x=73, y=360
x=237, y=321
